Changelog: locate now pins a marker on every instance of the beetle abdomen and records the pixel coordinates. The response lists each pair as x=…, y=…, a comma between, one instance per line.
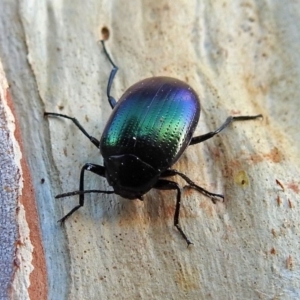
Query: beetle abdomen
x=154, y=120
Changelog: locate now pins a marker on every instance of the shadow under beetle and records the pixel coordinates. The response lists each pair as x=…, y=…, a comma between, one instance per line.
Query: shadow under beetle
x=149, y=129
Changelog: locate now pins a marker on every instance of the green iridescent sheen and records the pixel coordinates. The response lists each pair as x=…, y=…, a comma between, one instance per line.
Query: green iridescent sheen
x=155, y=120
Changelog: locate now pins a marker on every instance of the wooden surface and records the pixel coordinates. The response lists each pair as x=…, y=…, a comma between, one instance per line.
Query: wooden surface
x=241, y=57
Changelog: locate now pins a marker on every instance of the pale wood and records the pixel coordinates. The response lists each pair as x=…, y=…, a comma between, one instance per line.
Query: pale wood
x=241, y=58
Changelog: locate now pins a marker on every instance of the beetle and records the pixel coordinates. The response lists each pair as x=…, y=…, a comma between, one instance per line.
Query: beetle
x=150, y=127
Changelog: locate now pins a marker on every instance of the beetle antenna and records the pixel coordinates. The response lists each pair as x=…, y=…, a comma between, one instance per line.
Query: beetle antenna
x=83, y=192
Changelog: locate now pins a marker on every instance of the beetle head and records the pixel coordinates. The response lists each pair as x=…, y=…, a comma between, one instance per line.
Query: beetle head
x=129, y=176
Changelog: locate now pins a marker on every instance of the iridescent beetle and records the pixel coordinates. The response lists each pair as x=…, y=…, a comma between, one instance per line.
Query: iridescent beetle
x=150, y=127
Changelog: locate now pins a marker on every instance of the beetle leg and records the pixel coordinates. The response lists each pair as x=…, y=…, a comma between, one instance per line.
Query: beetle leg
x=112, y=75
x=163, y=184
x=99, y=170
x=75, y=121
x=229, y=120
x=173, y=172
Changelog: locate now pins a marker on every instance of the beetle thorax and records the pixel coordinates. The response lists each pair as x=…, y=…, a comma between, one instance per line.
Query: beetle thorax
x=129, y=176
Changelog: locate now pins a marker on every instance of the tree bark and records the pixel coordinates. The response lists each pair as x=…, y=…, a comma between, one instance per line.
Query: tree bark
x=242, y=58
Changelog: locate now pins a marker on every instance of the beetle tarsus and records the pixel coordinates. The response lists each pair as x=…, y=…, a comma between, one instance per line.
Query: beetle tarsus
x=228, y=121
x=96, y=169
x=183, y=234
x=79, y=126
x=213, y=197
x=112, y=75
x=63, y=219
x=192, y=184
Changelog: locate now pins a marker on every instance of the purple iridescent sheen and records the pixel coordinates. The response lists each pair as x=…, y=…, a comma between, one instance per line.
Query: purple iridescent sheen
x=154, y=120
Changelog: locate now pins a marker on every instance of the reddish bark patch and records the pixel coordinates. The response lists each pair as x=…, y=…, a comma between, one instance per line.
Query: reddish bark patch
x=38, y=278
x=275, y=155
x=294, y=187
